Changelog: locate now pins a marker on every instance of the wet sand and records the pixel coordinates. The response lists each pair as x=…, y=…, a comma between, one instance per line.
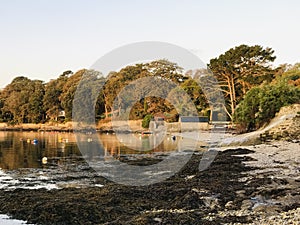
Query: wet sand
x=230, y=191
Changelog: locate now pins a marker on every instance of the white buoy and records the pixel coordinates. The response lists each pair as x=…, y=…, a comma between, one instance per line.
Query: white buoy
x=44, y=160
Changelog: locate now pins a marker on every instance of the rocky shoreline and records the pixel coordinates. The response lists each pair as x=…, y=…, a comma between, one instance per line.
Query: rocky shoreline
x=239, y=187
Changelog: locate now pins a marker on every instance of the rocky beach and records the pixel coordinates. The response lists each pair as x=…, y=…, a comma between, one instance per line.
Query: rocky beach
x=257, y=184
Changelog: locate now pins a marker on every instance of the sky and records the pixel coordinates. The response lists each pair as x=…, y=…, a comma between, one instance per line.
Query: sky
x=41, y=39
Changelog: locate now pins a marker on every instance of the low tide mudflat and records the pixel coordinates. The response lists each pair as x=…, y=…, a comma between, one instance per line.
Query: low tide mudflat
x=236, y=188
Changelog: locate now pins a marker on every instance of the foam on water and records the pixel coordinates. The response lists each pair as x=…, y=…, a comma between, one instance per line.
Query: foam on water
x=8, y=182
x=5, y=220
x=49, y=180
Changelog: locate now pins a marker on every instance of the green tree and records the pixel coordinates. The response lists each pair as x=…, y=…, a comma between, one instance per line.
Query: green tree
x=146, y=121
x=3, y=117
x=36, y=112
x=53, y=90
x=239, y=69
x=88, y=101
x=165, y=69
x=68, y=92
x=22, y=100
x=262, y=103
x=289, y=74
x=246, y=114
x=273, y=97
x=193, y=89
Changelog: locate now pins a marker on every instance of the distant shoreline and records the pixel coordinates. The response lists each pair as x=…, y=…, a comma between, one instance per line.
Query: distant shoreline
x=105, y=127
x=67, y=127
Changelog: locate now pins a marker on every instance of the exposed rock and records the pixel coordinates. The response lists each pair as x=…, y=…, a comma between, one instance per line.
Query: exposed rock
x=285, y=126
x=246, y=205
x=229, y=205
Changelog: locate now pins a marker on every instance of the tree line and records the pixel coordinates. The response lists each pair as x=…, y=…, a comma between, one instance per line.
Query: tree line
x=252, y=88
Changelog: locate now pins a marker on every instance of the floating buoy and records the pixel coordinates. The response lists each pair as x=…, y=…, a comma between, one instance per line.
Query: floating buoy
x=35, y=141
x=89, y=139
x=44, y=160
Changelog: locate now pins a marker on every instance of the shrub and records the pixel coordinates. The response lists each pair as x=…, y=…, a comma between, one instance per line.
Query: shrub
x=260, y=104
x=146, y=121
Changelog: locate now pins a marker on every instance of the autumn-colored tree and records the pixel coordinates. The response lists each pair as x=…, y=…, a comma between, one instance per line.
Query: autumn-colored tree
x=117, y=80
x=159, y=69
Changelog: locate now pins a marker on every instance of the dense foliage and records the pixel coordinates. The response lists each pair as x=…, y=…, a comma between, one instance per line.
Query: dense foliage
x=239, y=69
x=146, y=121
x=261, y=103
x=22, y=101
x=253, y=91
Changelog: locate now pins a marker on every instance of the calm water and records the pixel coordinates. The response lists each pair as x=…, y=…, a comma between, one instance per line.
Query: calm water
x=23, y=157
x=20, y=150
x=23, y=164
x=26, y=149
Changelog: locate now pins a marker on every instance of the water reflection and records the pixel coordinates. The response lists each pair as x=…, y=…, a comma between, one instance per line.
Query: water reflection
x=27, y=149
x=22, y=153
x=117, y=145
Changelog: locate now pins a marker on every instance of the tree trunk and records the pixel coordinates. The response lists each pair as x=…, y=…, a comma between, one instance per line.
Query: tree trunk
x=106, y=111
x=231, y=95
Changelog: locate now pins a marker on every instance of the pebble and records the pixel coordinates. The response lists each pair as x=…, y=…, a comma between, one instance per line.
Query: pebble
x=292, y=217
x=157, y=219
x=229, y=205
x=241, y=193
x=246, y=205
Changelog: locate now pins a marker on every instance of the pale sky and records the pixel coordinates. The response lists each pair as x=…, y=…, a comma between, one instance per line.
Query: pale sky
x=40, y=39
